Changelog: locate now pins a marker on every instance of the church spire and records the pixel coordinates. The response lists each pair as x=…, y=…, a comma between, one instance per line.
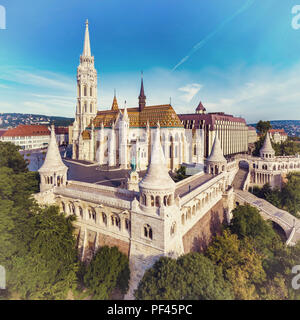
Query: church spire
x=87, y=45
x=115, y=103
x=142, y=97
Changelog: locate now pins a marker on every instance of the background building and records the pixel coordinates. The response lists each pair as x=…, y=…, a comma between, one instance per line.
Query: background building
x=232, y=131
x=28, y=136
x=278, y=135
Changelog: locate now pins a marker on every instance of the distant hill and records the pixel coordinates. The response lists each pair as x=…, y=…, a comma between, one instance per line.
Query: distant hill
x=291, y=127
x=8, y=120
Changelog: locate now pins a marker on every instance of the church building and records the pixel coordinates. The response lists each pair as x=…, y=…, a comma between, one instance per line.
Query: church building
x=119, y=136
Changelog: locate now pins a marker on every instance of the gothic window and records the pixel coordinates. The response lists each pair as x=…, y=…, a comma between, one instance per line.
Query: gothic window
x=157, y=201
x=170, y=152
x=152, y=201
x=91, y=108
x=195, y=150
x=104, y=218
x=127, y=224
x=63, y=207
x=80, y=212
x=115, y=221
x=173, y=229
x=85, y=107
x=148, y=232
x=85, y=91
x=91, y=92
x=144, y=199
x=182, y=219
x=165, y=200
x=92, y=214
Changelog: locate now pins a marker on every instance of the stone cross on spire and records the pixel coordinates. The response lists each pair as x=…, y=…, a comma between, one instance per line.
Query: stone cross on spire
x=87, y=45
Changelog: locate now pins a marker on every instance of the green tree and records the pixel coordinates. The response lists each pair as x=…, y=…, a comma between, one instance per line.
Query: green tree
x=46, y=267
x=192, y=276
x=263, y=126
x=240, y=263
x=11, y=157
x=109, y=269
x=291, y=194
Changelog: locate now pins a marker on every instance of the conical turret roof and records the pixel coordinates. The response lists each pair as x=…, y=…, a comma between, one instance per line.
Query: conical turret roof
x=216, y=154
x=267, y=147
x=53, y=161
x=157, y=176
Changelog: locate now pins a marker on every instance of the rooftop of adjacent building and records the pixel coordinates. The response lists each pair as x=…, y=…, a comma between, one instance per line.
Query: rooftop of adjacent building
x=209, y=118
x=23, y=130
x=280, y=131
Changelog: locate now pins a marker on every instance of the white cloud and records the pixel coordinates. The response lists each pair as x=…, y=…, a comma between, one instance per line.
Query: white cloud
x=190, y=91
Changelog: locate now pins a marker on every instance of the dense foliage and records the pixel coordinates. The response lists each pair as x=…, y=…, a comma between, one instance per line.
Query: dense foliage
x=192, y=276
x=37, y=246
x=109, y=269
x=180, y=174
x=248, y=261
x=263, y=126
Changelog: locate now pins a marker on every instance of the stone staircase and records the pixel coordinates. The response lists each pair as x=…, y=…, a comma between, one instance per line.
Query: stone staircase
x=239, y=179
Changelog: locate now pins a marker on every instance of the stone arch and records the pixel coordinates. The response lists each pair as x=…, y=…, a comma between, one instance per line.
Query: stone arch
x=157, y=201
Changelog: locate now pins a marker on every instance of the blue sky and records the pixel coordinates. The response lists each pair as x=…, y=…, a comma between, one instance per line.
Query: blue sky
x=237, y=56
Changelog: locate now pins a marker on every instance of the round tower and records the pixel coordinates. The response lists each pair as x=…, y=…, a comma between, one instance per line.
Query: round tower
x=53, y=172
x=267, y=150
x=216, y=163
x=157, y=187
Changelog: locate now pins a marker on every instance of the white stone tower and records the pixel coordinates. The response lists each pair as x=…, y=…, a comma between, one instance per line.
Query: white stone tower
x=157, y=187
x=267, y=150
x=86, y=109
x=216, y=162
x=53, y=171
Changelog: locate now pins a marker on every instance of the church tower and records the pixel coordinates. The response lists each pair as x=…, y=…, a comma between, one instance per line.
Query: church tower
x=86, y=86
x=142, y=97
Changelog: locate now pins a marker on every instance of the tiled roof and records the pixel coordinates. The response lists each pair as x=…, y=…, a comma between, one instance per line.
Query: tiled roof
x=61, y=130
x=2, y=132
x=165, y=114
x=27, y=130
x=281, y=131
x=210, y=118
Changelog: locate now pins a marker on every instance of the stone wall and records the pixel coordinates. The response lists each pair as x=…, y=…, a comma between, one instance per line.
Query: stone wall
x=199, y=236
x=106, y=240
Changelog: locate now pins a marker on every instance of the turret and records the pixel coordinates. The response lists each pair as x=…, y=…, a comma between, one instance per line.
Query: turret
x=216, y=162
x=53, y=171
x=157, y=187
x=267, y=150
